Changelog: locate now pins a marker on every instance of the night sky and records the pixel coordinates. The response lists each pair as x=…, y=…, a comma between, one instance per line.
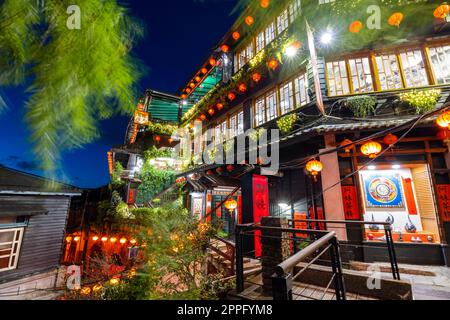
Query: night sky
x=179, y=36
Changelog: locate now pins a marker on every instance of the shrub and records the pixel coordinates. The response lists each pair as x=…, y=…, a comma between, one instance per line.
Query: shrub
x=361, y=106
x=421, y=100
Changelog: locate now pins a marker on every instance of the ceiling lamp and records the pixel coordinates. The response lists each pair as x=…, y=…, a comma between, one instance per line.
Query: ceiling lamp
x=396, y=19
x=225, y=48
x=231, y=205
x=371, y=149
x=273, y=63
x=355, y=26
x=236, y=35
x=249, y=20
x=256, y=77
x=347, y=145
x=264, y=4
x=231, y=96
x=442, y=11
x=314, y=167
x=390, y=139
x=242, y=87
x=444, y=120
x=212, y=62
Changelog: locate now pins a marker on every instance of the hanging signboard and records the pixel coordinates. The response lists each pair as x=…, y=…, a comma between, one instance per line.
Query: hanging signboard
x=141, y=117
x=260, y=206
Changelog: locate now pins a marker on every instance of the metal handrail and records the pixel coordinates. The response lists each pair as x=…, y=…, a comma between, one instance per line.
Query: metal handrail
x=384, y=223
x=302, y=255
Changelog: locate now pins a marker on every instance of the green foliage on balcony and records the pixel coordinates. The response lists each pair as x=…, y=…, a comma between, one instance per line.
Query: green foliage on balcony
x=361, y=106
x=286, y=123
x=421, y=100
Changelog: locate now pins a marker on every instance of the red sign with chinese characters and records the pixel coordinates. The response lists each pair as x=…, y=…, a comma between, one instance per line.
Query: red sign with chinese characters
x=350, y=202
x=443, y=195
x=260, y=206
x=409, y=195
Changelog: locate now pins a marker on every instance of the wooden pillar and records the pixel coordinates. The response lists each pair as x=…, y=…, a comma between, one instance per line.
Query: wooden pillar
x=332, y=193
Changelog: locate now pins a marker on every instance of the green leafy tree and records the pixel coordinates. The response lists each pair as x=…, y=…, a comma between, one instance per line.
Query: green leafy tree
x=75, y=76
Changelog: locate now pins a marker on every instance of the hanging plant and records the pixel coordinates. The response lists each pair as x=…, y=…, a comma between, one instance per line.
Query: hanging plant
x=361, y=106
x=212, y=153
x=421, y=100
x=286, y=123
x=161, y=128
x=256, y=134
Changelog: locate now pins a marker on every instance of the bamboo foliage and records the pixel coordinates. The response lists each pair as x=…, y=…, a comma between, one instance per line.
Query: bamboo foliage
x=74, y=77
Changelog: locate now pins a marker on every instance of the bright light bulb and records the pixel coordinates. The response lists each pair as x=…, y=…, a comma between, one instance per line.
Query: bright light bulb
x=396, y=166
x=291, y=51
x=326, y=38
x=371, y=167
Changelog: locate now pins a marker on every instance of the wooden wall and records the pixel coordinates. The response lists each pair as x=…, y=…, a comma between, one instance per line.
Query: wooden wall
x=43, y=237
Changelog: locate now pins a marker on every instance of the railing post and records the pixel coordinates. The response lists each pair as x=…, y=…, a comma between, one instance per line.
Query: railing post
x=239, y=261
x=391, y=250
x=282, y=287
x=336, y=266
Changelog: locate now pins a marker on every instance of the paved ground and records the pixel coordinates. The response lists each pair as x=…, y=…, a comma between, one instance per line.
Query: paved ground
x=435, y=287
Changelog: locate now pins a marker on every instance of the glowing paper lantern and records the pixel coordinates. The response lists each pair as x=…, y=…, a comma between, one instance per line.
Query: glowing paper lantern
x=224, y=48
x=219, y=106
x=256, y=77
x=249, y=20
x=371, y=149
x=314, y=167
x=264, y=4
x=123, y=240
x=231, y=96
x=242, y=87
x=104, y=239
x=273, y=63
x=444, y=120
x=236, y=35
x=442, y=11
x=390, y=139
x=347, y=144
x=94, y=238
x=212, y=62
x=355, y=26
x=230, y=204
x=396, y=19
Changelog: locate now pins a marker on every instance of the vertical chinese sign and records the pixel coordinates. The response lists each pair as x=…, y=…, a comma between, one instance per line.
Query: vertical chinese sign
x=443, y=195
x=260, y=206
x=350, y=201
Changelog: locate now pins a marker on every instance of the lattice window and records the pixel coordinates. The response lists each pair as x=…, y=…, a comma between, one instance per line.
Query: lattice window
x=10, y=241
x=389, y=72
x=286, y=97
x=283, y=21
x=337, y=78
x=301, y=90
x=361, y=75
x=440, y=61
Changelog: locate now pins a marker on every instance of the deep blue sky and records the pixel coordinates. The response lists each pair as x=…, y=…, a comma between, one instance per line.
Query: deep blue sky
x=179, y=36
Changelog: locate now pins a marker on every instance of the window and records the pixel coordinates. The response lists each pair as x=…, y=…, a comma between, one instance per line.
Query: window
x=233, y=126
x=414, y=68
x=294, y=10
x=240, y=129
x=301, y=90
x=260, y=111
x=266, y=108
x=245, y=55
x=10, y=241
x=260, y=42
x=270, y=33
x=271, y=100
x=282, y=21
x=217, y=139
x=388, y=72
x=337, y=78
x=361, y=75
x=223, y=130
x=286, y=97
x=440, y=62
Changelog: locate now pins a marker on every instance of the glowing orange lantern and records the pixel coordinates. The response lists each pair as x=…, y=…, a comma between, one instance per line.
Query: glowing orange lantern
x=236, y=35
x=371, y=149
x=314, y=167
x=230, y=167
x=192, y=85
x=444, y=120
x=183, y=96
x=157, y=139
x=104, y=239
x=396, y=19
x=249, y=20
x=197, y=78
x=230, y=204
x=390, y=139
x=113, y=239
x=212, y=62
x=355, y=26
x=209, y=172
x=188, y=90
x=225, y=48
x=273, y=64
x=211, y=112
x=231, y=96
x=204, y=70
x=442, y=11
x=264, y=4
x=133, y=241
x=219, y=170
x=123, y=240
x=242, y=87
x=94, y=238
x=219, y=106
x=347, y=144
x=76, y=239
x=202, y=117
x=114, y=281
x=256, y=77
x=68, y=238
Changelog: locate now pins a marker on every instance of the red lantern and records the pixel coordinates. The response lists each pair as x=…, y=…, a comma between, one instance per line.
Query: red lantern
x=204, y=70
x=219, y=106
x=273, y=63
x=141, y=106
x=230, y=167
x=183, y=96
x=236, y=35
x=264, y=4
x=443, y=135
x=188, y=90
x=192, y=85
x=442, y=11
x=256, y=77
x=219, y=170
x=231, y=96
x=396, y=19
x=443, y=120
x=242, y=87
x=212, y=62
x=347, y=144
x=211, y=112
x=249, y=20
x=314, y=167
x=355, y=26
x=390, y=139
x=202, y=117
x=371, y=149
x=225, y=48
x=209, y=172
x=197, y=78
x=157, y=139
